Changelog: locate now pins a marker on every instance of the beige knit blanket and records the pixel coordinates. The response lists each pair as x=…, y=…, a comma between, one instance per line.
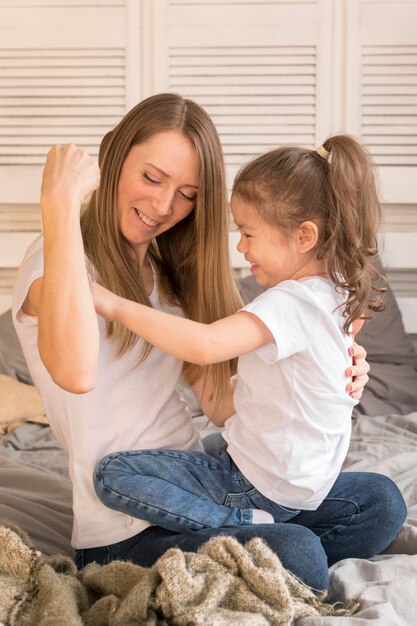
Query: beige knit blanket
x=223, y=584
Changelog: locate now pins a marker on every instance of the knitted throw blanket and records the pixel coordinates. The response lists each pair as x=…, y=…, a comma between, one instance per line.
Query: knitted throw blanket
x=223, y=584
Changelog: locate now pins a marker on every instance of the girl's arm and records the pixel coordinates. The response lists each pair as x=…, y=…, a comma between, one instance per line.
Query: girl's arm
x=68, y=336
x=185, y=339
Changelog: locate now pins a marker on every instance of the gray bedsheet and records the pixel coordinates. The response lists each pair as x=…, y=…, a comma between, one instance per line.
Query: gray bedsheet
x=35, y=494
x=35, y=491
x=386, y=585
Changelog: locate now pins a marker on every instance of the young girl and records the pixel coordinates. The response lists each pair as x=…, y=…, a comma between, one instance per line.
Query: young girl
x=308, y=221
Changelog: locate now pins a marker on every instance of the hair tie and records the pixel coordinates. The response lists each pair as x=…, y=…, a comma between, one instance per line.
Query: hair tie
x=321, y=150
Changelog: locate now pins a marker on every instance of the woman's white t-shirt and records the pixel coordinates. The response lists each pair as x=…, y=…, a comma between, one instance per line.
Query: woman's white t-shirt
x=131, y=407
x=292, y=426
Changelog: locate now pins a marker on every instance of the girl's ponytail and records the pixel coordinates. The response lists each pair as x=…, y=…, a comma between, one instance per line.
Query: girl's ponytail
x=352, y=221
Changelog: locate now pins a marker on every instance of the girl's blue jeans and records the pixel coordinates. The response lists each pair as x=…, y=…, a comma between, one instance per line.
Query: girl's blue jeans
x=201, y=494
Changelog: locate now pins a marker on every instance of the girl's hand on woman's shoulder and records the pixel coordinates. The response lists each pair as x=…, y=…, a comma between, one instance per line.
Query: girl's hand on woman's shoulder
x=358, y=371
x=69, y=178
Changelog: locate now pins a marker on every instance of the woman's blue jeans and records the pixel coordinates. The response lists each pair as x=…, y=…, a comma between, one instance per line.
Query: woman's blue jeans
x=196, y=493
x=299, y=549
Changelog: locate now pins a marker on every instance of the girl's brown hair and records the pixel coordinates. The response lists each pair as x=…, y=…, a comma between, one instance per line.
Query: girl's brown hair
x=192, y=257
x=336, y=189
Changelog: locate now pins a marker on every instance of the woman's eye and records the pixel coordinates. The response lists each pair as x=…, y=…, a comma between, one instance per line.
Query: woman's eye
x=150, y=179
x=189, y=198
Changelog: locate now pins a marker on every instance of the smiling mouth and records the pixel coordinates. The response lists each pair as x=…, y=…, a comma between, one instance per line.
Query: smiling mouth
x=253, y=265
x=145, y=219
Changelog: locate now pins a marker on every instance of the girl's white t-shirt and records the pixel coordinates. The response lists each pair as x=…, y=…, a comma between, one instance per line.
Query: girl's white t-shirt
x=131, y=407
x=292, y=426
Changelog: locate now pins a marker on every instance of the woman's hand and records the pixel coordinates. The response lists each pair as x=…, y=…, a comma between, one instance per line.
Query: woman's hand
x=105, y=301
x=69, y=178
x=358, y=371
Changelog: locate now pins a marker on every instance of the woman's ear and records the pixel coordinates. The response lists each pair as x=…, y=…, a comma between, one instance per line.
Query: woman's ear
x=307, y=236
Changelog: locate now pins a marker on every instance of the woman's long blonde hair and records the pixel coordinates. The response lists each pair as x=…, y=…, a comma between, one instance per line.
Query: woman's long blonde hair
x=335, y=188
x=192, y=258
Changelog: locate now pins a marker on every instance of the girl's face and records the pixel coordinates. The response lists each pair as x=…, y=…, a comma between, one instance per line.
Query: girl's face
x=157, y=188
x=273, y=255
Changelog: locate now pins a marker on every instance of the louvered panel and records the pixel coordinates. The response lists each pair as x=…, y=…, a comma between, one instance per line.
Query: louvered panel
x=382, y=96
x=39, y=140
x=256, y=58
x=68, y=72
x=254, y=93
x=22, y=57
x=259, y=70
x=62, y=3
x=240, y=123
x=403, y=282
x=378, y=73
x=20, y=217
x=381, y=89
x=401, y=130
x=393, y=159
x=7, y=280
x=400, y=217
x=277, y=101
x=47, y=110
x=260, y=3
x=376, y=91
x=276, y=111
x=247, y=92
x=244, y=72
x=253, y=81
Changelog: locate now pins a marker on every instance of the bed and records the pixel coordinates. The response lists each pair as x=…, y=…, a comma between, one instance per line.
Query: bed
x=35, y=492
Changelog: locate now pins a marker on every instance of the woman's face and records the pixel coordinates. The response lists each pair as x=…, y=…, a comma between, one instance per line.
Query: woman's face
x=157, y=188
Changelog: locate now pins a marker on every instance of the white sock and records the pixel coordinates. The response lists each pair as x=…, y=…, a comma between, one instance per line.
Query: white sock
x=261, y=517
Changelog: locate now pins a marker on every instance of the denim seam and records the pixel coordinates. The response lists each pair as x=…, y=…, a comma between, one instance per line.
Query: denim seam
x=122, y=497
x=160, y=453
x=350, y=520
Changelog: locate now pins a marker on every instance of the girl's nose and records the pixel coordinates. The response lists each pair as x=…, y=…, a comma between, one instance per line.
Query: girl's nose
x=240, y=246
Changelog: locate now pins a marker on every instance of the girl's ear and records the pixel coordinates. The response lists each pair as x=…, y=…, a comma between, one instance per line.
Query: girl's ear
x=307, y=236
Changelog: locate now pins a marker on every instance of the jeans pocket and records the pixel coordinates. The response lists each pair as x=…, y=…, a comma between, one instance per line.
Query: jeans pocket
x=242, y=499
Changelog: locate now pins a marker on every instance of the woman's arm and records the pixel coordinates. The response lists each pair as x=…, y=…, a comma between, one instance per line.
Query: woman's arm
x=185, y=339
x=68, y=331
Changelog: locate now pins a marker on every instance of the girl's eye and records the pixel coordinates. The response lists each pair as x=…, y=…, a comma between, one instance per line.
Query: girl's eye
x=150, y=179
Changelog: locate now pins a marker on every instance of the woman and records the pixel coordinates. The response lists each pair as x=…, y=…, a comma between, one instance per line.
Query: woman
x=154, y=231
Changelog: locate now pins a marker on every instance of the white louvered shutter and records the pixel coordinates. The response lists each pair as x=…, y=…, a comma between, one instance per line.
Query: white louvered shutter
x=63, y=78
x=381, y=100
x=259, y=68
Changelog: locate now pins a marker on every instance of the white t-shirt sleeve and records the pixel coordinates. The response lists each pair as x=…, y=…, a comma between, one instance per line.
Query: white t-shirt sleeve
x=289, y=317
x=30, y=270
